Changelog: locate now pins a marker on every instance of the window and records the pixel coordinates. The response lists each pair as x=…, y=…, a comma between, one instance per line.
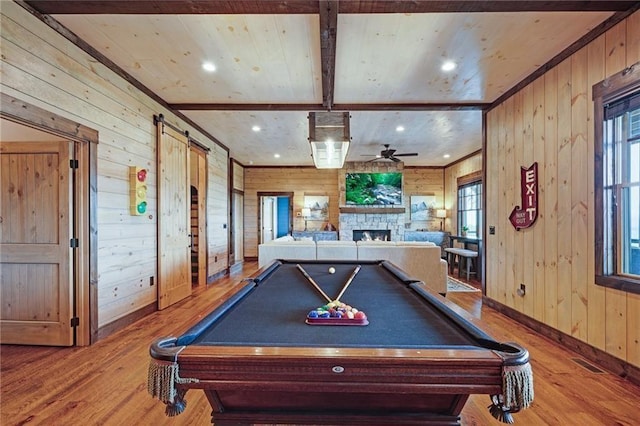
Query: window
x=617, y=185
x=470, y=208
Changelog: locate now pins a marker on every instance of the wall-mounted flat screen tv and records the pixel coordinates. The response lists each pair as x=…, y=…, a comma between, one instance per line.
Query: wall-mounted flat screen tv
x=366, y=189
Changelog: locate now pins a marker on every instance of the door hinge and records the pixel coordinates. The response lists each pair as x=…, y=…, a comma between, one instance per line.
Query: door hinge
x=74, y=243
x=75, y=322
x=73, y=164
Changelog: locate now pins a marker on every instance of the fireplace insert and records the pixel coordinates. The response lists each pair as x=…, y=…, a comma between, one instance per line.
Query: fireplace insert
x=371, y=235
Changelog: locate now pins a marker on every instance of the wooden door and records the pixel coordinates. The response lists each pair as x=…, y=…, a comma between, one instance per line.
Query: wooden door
x=174, y=252
x=267, y=218
x=36, y=223
x=198, y=179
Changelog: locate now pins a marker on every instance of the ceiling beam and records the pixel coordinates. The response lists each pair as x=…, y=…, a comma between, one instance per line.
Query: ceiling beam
x=245, y=7
x=174, y=7
x=434, y=106
x=469, y=6
x=328, y=33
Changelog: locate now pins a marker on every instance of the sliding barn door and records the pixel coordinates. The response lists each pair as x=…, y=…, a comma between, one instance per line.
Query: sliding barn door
x=36, y=224
x=174, y=195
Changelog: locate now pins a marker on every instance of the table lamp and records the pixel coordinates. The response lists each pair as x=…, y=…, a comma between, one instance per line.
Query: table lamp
x=306, y=212
x=441, y=214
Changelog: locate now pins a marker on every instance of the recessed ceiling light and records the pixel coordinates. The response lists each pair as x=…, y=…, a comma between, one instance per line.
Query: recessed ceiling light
x=208, y=66
x=400, y=129
x=276, y=155
x=446, y=156
x=256, y=128
x=448, y=66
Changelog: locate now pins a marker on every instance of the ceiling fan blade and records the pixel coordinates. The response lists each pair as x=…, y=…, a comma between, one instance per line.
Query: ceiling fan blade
x=397, y=160
x=408, y=154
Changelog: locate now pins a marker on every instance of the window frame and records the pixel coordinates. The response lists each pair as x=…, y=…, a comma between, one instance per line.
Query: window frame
x=465, y=181
x=616, y=87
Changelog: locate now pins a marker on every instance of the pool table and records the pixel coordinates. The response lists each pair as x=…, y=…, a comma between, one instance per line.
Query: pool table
x=416, y=361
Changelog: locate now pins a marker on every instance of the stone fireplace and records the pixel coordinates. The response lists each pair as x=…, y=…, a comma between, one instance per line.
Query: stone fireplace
x=392, y=224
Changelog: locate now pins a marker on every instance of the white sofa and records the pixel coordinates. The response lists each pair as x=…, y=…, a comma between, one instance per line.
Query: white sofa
x=332, y=250
x=283, y=248
x=419, y=259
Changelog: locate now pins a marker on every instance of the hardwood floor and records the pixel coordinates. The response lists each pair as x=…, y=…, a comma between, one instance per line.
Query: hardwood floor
x=105, y=384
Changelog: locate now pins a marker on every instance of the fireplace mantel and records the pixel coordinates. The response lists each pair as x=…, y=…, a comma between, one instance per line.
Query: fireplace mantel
x=374, y=210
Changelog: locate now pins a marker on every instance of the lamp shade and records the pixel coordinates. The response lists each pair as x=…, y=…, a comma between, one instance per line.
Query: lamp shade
x=306, y=212
x=329, y=154
x=441, y=213
x=329, y=138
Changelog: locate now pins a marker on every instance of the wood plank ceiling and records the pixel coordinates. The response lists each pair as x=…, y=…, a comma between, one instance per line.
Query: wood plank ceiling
x=380, y=60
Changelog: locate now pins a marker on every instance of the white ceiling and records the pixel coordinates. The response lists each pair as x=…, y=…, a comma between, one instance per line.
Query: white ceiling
x=380, y=60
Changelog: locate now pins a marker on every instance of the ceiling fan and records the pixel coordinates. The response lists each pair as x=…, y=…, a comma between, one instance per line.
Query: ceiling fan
x=390, y=154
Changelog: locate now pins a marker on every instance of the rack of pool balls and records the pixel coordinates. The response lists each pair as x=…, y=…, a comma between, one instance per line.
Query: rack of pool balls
x=336, y=313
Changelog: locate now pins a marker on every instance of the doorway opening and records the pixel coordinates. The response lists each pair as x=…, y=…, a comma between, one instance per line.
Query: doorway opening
x=79, y=306
x=198, y=214
x=276, y=215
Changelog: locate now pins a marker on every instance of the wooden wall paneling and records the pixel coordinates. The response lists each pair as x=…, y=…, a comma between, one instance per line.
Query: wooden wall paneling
x=299, y=180
x=42, y=67
x=528, y=252
x=37, y=37
x=633, y=39
x=37, y=78
x=238, y=176
x=250, y=221
x=492, y=197
x=499, y=281
x=216, y=211
x=551, y=198
x=421, y=181
x=451, y=199
x=519, y=250
x=616, y=308
x=123, y=289
x=564, y=196
x=510, y=188
x=633, y=300
x=579, y=194
x=22, y=51
x=596, y=295
x=563, y=238
x=538, y=231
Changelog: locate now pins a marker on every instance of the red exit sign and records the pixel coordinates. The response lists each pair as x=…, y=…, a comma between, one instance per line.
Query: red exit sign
x=525, y=215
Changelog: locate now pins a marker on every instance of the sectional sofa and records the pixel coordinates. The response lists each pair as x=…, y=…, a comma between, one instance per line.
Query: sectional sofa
x=419, y=259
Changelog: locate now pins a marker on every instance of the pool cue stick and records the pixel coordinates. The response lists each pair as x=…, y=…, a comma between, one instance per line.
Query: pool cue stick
x=313, y=282
x=353, y=275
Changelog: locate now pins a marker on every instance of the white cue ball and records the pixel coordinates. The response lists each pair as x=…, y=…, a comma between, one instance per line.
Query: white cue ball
x=332, y=270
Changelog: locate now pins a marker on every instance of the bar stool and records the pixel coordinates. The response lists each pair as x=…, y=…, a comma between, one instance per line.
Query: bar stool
x=461, y=256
